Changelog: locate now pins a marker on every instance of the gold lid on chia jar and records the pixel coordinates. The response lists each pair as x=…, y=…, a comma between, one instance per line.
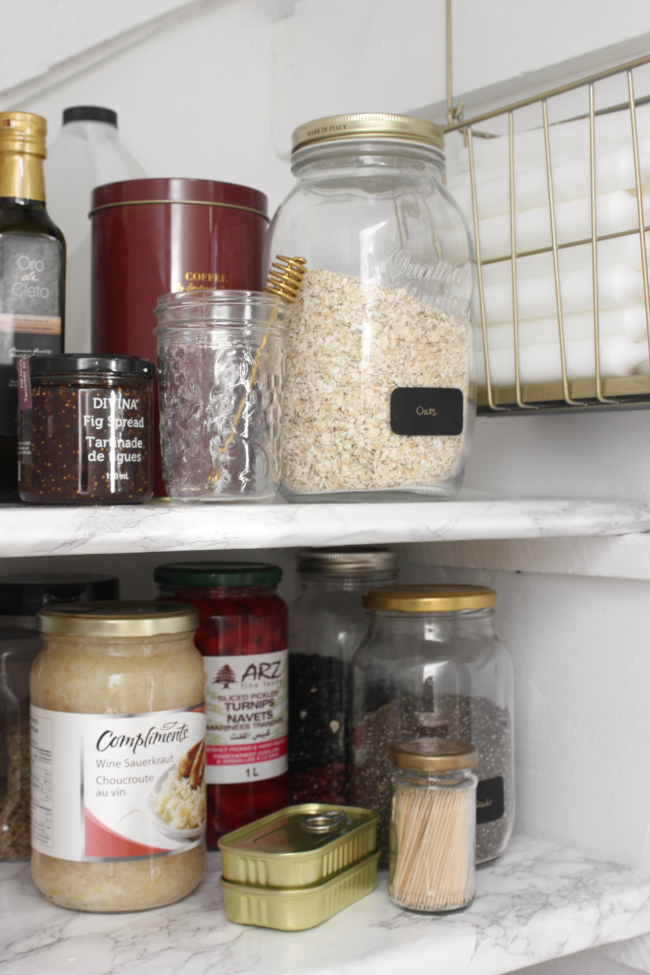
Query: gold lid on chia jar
x=369, y=125
x=434, y=755
x=118, y=618
x=429, y=599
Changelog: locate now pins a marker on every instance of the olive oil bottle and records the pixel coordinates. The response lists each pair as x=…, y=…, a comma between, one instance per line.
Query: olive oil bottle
x=32, y=272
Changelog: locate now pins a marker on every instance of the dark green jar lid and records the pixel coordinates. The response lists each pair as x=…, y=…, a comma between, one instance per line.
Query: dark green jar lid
x=207, y=574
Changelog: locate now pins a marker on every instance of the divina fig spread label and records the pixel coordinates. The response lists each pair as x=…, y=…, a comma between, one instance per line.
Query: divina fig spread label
x=85, y=441
x=116, y=787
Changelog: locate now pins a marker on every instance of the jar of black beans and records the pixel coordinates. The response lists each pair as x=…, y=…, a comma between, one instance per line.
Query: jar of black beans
x=327, y=623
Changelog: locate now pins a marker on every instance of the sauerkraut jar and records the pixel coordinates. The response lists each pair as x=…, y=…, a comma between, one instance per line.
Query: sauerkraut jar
x=118, y=753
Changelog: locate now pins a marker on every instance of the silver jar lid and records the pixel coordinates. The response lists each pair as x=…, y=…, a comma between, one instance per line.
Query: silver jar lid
x=349, y=560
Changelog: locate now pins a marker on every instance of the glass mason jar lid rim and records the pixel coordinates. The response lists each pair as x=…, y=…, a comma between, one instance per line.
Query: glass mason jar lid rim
x=65, y=363
x=436, y=598
x=434, y=755
x=118, y=618
x=347, y=560
x=368, y=125
x=217, y=574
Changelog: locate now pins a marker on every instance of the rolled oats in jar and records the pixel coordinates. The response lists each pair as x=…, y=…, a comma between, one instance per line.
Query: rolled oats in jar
x=379, y=400
x=118, y=754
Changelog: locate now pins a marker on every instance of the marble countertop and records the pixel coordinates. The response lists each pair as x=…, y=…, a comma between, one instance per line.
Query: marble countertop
x=538, y=902
x=163, y=527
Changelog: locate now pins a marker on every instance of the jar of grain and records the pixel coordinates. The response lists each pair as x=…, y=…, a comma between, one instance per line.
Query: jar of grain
x=431, y=666
x=379, y=398
x=21, y=597
x=118, y=752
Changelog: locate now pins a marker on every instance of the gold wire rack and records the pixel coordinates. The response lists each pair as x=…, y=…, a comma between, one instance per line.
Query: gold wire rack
x=599, y=393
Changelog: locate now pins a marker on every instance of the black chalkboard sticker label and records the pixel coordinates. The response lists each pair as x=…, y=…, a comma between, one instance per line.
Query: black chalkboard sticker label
x=490, y=803
x=426, y=411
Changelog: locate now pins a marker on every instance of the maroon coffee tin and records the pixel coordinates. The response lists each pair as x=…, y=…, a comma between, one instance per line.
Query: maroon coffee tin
x=153, y=237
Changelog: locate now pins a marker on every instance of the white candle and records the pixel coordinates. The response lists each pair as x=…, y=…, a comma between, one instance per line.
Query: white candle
x=615, y=212
x=619, y=356
x=618, y=285
x=571, y=181
x=630, y=321
x=618, y=250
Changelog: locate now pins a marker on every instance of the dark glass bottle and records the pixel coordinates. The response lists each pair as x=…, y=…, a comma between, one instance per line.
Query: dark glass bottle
x=32, y=271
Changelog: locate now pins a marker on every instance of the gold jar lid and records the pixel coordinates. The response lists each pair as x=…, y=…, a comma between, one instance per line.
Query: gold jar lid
x=118, y=619
x=429, y=599
x=22, y=132
x=369, y=126
x=434, y=755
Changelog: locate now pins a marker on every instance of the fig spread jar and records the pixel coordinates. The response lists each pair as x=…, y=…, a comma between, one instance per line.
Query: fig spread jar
x=85, y=429
x=118, y=751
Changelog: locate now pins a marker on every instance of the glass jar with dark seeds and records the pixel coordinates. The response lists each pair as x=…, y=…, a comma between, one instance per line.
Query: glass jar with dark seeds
x=326, y=624
x=431, y=666
x=85, y=430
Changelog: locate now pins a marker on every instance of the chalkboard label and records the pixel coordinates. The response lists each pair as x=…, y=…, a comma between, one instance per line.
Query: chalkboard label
x=426, y=412
x=489, y=800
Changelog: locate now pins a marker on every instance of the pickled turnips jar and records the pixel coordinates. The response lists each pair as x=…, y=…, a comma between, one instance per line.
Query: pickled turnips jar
x=380, y=402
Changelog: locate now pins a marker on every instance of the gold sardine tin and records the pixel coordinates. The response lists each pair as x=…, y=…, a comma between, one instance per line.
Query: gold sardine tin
x=298, y=847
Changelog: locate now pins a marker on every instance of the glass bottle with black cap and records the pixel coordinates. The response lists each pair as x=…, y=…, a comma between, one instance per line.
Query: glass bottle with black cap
x=32, y=272
x=243, y=638
x=21, y=597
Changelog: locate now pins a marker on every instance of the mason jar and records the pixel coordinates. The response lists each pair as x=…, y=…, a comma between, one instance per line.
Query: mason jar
x=380, y=403
x=431, y=666
x=326, y=625
x=221, y=385
x=433, y=870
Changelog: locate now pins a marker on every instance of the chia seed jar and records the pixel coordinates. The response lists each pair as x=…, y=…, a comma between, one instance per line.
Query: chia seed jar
x=85, y=429
x=431, y=666
x=326, y=626
x=242, y=635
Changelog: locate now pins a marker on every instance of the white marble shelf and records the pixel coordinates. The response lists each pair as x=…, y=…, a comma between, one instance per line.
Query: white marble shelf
x=35, y=530
x=536, y=903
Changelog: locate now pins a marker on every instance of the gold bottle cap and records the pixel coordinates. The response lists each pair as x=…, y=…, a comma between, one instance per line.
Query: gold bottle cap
x=118, y=619
x=23, y=132
x=429, y=599
x=369, y=126
x=434, y=755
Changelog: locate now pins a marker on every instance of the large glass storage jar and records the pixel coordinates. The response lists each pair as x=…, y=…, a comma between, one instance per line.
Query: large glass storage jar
x=326, y=625
x=379, y=401
x=242, y=635
x=221, y=384
x=431, y=666
x=118, y=735
x=21, y=597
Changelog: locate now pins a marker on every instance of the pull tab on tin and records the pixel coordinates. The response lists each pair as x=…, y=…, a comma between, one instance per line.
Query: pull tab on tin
x=324, y=822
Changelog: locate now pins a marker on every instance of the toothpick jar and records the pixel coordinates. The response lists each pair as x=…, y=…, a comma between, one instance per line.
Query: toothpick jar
x=433, y=819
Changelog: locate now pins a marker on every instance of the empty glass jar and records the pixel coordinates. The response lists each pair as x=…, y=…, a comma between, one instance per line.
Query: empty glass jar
x=221, y=357
x=380, y=401
x=431, y=666
x=326, y=625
